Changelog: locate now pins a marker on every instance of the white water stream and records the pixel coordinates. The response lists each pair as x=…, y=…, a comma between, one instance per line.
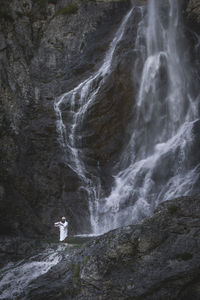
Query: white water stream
x=158, y=150
x=15, y=277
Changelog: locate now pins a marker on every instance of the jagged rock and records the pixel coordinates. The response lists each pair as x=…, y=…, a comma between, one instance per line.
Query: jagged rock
x=158, y=259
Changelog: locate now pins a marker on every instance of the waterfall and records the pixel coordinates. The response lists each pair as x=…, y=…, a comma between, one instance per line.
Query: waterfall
x=155, y=164
x=79, y=100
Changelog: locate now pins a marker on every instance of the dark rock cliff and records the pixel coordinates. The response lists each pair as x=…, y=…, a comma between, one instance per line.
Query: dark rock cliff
x=46, y=48
x=43, y=54
x=45, y=51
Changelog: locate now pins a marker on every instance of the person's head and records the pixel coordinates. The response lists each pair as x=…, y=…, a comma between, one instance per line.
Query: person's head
x=63, y=219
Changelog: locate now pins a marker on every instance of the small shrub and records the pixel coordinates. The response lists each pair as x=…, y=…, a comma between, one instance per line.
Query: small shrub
x=68, y=10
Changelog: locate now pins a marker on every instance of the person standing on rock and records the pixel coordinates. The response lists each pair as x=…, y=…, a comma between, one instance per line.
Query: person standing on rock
x=63, y=226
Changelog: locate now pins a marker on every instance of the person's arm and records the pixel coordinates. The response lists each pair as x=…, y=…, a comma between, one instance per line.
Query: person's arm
x=57, y=224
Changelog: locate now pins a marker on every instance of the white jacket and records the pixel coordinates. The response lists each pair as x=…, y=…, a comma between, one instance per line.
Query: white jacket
x=63, y=230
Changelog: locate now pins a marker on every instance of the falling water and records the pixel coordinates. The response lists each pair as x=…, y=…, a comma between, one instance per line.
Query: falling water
x=79, y=100
x=154, y=164
x=153, y=167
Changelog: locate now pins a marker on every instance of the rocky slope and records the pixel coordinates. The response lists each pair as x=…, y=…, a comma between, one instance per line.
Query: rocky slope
x=158, y=259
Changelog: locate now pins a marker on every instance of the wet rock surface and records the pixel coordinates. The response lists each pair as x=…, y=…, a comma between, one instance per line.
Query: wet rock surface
x=13, y=249
x=158, y=259
x=43, y=54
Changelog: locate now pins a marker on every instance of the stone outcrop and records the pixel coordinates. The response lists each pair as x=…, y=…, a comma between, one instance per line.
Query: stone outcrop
x=158, y=259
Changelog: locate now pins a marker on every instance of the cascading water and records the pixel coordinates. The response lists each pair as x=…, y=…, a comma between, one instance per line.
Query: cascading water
x=16, y=276
x=154, y=165
x=79, y=100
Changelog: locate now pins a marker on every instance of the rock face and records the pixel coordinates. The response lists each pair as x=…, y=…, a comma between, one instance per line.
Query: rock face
x=158, y=259
x=193, y=11
x=47, y=47
x=44, y=53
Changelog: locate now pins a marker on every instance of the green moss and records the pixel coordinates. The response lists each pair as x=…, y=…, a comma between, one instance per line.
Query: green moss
x=78, y=240
x=68, y=10
x=52, y=239
x=76, y=271
x=85, y=260
x=77, y=246
x=173, y=209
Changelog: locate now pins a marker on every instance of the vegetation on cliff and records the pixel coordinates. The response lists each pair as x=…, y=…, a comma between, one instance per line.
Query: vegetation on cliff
x=68, y=10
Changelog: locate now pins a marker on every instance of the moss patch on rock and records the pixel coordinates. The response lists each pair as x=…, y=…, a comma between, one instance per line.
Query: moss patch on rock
x=68, y=10
x=76, y=271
